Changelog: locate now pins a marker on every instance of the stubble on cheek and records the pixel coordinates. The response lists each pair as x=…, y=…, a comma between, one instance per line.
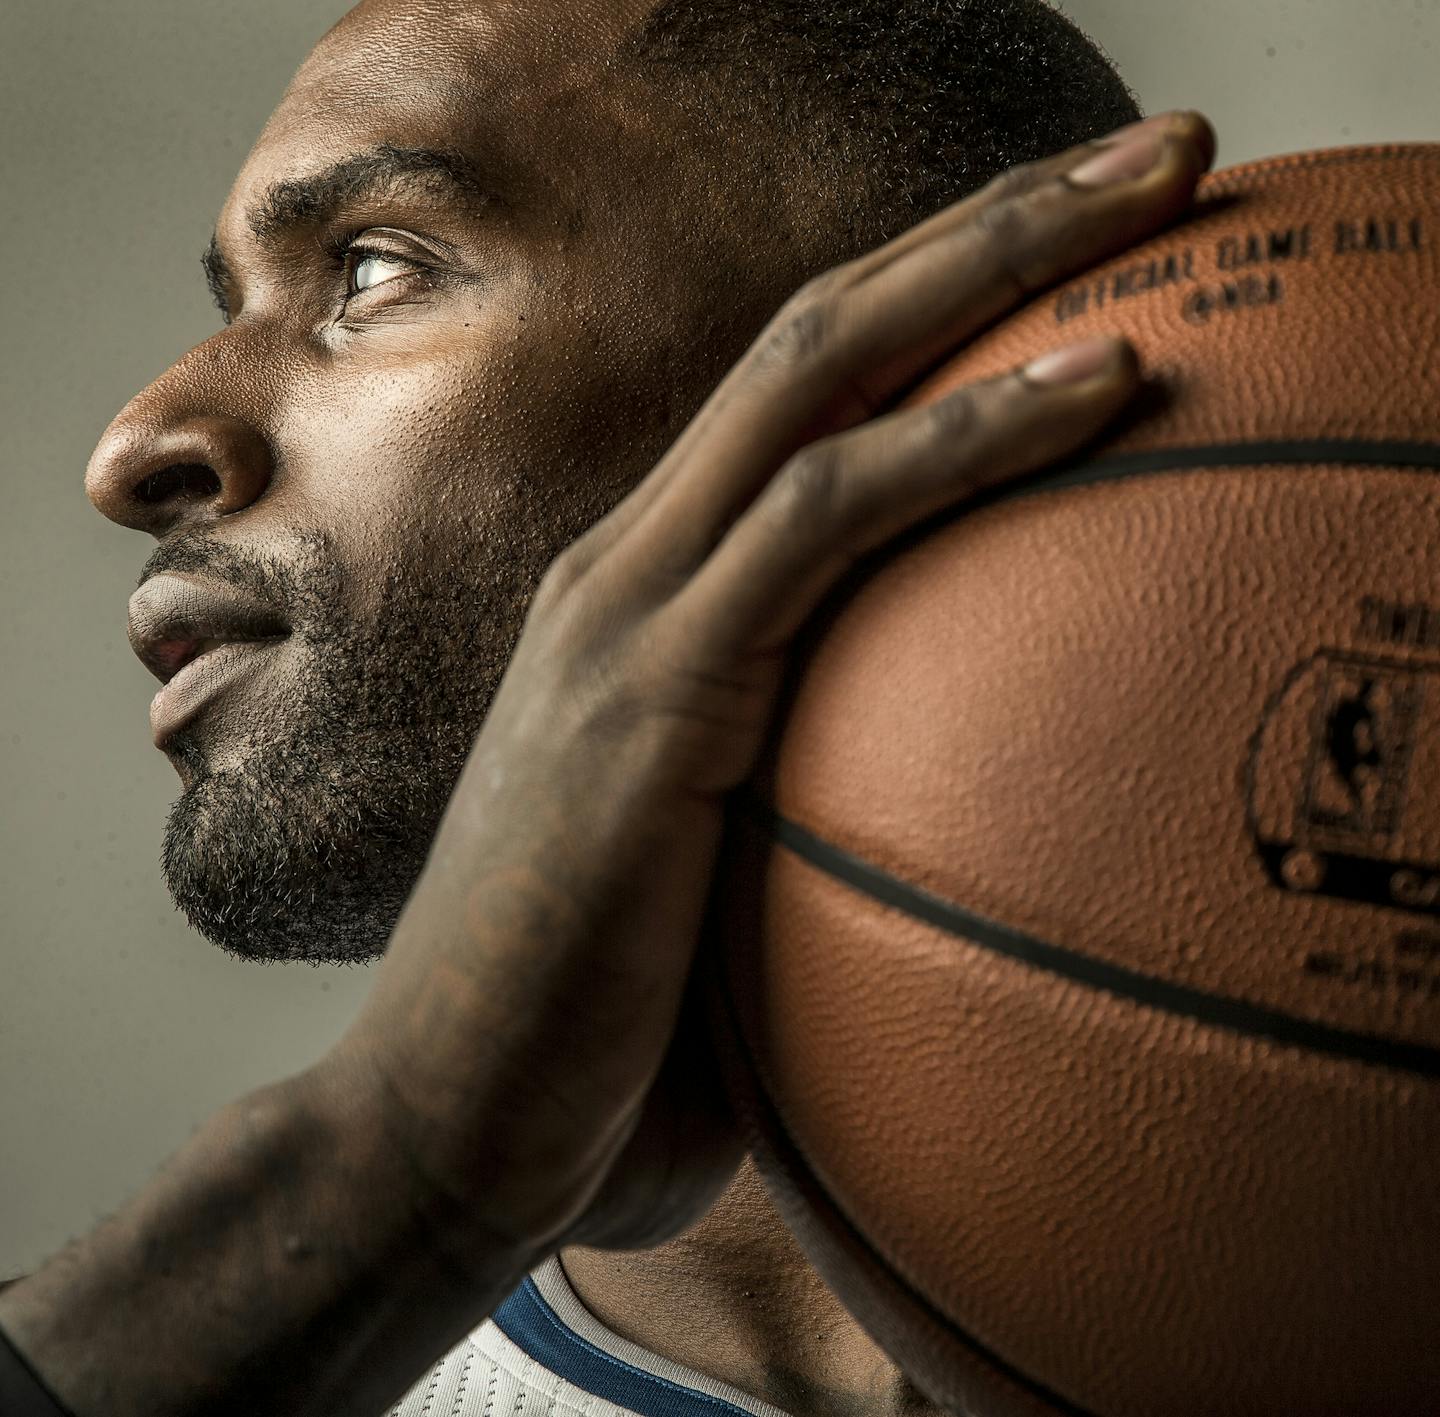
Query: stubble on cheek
x=307, y=814
x=309, y=806
x=306, y=819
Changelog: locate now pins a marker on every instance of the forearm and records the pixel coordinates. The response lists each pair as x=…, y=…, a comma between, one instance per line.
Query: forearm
x=286, y=1259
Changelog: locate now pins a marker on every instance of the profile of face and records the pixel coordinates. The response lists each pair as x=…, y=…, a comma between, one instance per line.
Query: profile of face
x=475, y=280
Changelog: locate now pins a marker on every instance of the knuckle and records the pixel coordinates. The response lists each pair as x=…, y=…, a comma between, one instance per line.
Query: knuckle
x=1008, y=232
x=803, y=330
x=1016, y=183
x=619, y=713
x=824, y=285
x=560, y=576
x=810, y=488
x=665, y=576
x=821, y=285
x=1006, y=224
x=956, y=415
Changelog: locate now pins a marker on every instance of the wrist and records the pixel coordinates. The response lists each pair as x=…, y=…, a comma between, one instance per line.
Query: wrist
x=434, y=1207
x=283, y=1259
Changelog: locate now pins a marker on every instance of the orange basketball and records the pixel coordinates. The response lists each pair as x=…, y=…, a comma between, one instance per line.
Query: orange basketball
x=1080, y=988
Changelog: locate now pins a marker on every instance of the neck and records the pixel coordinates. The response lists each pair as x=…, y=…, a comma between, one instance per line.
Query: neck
x=734, y=1298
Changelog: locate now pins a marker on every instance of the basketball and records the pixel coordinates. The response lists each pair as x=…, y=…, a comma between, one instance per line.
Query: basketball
x=1075, y=970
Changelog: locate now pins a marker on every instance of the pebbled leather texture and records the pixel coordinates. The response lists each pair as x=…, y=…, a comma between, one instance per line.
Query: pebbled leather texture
x=1182, y=720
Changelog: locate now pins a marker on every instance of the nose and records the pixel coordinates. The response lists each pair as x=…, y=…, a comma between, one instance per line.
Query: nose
x=153, y=470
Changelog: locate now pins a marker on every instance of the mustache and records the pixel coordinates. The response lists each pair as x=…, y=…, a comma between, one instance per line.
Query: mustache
x=268, y=575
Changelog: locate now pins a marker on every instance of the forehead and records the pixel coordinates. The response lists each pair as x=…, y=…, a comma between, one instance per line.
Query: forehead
x=518, y=82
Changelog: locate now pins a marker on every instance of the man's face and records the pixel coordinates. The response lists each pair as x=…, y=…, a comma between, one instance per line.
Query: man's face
x=476, y=284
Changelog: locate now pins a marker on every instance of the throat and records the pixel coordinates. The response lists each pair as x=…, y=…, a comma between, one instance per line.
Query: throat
x=735, y=1299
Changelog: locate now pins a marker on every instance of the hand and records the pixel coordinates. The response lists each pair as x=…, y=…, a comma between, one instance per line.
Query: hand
x=529, y=1025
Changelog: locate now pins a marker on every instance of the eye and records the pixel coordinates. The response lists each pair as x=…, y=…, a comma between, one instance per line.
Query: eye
x=369, y=268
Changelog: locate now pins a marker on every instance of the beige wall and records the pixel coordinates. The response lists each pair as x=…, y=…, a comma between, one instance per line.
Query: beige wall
x=122, y=126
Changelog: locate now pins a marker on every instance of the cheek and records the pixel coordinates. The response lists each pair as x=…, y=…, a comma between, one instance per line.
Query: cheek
x=473, y=452
x=396, y=469
x=459, y=466
x=418, y=439
x=381, y=434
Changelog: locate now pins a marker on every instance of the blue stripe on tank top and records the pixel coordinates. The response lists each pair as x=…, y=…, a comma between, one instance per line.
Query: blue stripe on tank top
x=533, y=1326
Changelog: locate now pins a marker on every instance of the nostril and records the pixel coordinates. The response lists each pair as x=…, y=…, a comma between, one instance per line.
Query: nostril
x=154, y=470
x=184, y=480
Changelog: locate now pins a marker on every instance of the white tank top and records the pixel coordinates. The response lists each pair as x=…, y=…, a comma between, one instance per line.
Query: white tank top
x=543, y=1354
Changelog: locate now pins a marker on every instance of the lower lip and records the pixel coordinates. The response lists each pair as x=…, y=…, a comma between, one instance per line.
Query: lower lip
x=202, y=680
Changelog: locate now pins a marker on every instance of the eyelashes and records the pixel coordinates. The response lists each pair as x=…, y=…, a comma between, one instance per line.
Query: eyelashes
x=358, y=271
x=369, y=267
x=357, y=257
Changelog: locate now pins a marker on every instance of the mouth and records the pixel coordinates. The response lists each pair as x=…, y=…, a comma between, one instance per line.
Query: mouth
x=175, y=619
x=197, y=636
x=204, y=675
x=168, y=657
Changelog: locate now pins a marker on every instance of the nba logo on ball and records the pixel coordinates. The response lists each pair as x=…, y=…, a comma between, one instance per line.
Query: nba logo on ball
x=1345, y=749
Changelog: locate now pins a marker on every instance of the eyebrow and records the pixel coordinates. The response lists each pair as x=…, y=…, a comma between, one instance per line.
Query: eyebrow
x=315, y=199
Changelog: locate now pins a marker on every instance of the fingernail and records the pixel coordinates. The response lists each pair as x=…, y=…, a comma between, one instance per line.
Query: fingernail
x=1122, y=161
x=1072, y=363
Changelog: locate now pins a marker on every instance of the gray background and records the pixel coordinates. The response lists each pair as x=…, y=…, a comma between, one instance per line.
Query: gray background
x=123, y=124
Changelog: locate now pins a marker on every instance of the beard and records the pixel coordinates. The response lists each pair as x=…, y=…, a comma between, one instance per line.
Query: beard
x=307, y=818
x=307, y=843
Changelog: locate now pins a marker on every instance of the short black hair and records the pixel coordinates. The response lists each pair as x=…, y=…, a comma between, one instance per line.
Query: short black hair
x=897, y=107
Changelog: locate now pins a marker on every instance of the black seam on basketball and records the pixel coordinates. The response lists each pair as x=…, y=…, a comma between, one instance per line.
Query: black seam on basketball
x=771, y=1131
x=1158, y=462
x=1236, y=1015
x=1276, y=453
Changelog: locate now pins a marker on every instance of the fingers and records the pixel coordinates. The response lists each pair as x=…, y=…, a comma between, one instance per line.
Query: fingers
x=842, y=497
x=1017, y=181
x=850, y=343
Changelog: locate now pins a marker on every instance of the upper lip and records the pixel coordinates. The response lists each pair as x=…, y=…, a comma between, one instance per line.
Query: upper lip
x=174, y=618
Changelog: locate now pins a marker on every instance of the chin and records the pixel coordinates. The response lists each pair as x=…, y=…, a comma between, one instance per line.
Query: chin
x=271, y=869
